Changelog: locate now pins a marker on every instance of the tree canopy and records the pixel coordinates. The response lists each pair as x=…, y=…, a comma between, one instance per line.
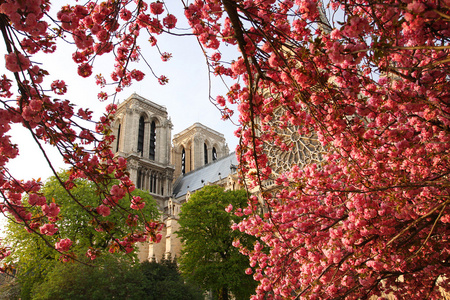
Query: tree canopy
x=112, y=278
x=362, y=85
x=208, y=256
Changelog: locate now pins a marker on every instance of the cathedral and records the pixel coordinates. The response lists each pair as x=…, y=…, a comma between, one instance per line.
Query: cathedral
x=170, y=169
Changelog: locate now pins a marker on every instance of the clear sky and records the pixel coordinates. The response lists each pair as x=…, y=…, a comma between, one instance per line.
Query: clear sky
x=186, y=96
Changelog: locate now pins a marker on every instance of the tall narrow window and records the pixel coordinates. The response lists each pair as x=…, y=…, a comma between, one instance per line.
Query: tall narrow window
x=151, y=183
x=118, y=139
x=214, y=154
x=140, y=145
x=152, y=140
x=139, y=179
x=205, y=151
x=183, y=161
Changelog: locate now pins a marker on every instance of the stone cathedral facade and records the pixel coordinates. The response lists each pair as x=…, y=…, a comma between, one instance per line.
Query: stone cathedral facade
x=169, y=169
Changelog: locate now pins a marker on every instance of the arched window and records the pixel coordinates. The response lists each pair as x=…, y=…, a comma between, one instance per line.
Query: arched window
x=214, y=154
x=183, y=161
x=205, y=151
x=118, y=139
x=140, y=145
x=152, y=140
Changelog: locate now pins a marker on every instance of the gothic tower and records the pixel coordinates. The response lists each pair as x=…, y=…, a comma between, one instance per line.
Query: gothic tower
x=143, y=133
x=195, y=147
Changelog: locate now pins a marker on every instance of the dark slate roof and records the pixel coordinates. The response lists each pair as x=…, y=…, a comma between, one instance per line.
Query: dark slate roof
x=209, y=173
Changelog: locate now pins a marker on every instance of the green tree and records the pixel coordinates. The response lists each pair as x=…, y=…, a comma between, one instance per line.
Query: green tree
x=208, y=256
x=32, y=256
x=116, y=279
x=163, y=281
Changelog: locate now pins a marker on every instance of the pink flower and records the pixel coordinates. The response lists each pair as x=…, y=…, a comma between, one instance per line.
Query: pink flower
x=16, y=62
x=50, y=211
x=85, y=70
x=162, y=80
x=59, y=87
x=102, y=35
x=155, y=238
x=152, y=41
x=137, y=203
x=48, y=229
x=102, y=96
x=154, y=26
x=122, y=162
x=78, y=57
x=125, y=14
x=238, y=67
x=170, y=21
x=274, y=61
x=416, y=7
x=92, y=253
x=156, y=8
x=229, y=208
x=216, y=56
x=137, y=75
x=35, y=199
x=103, y=210
x=117, y=192
x=36, y=105
x=220, y=100
x=63, y=245
x=166, y=56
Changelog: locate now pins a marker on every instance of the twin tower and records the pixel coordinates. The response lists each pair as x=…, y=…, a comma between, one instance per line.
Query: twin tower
x=169, y=169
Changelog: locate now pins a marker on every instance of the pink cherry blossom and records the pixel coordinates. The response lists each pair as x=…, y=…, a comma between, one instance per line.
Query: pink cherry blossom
x=48, y=229
x=16, y=62
x=103, y=210
x=156, y=8
x=63, y=245
x=51, y=210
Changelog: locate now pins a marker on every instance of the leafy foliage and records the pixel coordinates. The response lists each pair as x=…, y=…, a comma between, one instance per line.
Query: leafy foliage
x=163, y=281
x=208, y=255
x=109, y=278
x=114, y=278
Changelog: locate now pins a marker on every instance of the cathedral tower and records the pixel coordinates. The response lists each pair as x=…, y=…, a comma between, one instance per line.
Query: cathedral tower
x=195, y=147
x=143, y=133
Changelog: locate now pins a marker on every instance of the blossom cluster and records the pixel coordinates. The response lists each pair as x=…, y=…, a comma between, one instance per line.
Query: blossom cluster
x=371, y=218
x=110, y=26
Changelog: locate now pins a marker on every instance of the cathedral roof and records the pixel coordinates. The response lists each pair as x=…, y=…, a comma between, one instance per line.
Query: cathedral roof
x=210, y=173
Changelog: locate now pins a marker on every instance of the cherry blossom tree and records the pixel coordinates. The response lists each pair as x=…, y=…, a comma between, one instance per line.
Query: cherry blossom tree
x=365, y=80
x=371, y=217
